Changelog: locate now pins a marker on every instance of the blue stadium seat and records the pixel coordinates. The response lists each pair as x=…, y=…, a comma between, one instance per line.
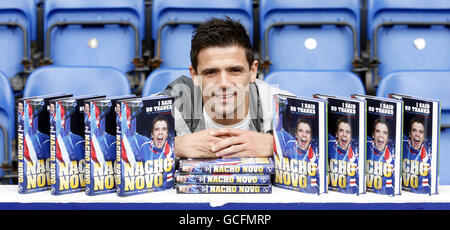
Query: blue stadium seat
x=158, y=79
x=176, y=20
x=409, y=35
x=428, y=84
x=307, y=83
x=94, y=32
x=303, y=35
x=6, y=119
x=77, y=81
x=17, y=29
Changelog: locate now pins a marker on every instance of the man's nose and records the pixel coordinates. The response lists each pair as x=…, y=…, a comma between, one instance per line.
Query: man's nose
x=223, y=79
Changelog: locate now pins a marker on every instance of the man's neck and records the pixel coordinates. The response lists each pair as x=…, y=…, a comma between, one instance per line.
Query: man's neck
x=226, y=120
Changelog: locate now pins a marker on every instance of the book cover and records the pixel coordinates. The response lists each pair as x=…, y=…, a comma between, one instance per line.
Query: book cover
x=67, y=144
x=145, y=155
x=421, y=129
x=33, y=130
x=384, y=144
x=100, y=144
x=346, y=144
x=300, y=138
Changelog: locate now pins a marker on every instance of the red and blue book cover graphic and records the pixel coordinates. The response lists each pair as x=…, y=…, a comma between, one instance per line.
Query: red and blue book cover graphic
x=346, y=144
x=299, y=127
x=226, y=179
x=222, y=189
x=421, y=129
x=100, y=140
x=146, y=134
x=33, y=130
x=244, y=165
x=67, y=144
x=384, y=147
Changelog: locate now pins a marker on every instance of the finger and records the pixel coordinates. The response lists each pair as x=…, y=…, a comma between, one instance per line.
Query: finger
x=230, y=150
x=238, y=154
x=225, y=131
x=225, y=143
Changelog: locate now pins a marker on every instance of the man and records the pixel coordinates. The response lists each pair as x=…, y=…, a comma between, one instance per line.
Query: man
x=341, y=148
x=158, y=147
x=379, y=143
x=416, y=141
x=379, y=153
x=301, y=147
x=223, y=111
x=340, y=145
x=417, y=154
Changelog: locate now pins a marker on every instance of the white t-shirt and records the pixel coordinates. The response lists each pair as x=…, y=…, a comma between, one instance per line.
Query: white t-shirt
x=210, y=124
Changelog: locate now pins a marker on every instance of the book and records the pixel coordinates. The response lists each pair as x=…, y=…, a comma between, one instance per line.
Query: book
x=222, y=189
x=33, y=145
x=346, y=144
x=100, y=144
x=67, y=144
x=300, y=138
x=223, y=179
x=384, y=144
x=242, y=165
x=421, y=131
x=145, y=145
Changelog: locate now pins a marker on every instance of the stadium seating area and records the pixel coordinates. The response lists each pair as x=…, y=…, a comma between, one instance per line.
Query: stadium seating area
x=305, y=46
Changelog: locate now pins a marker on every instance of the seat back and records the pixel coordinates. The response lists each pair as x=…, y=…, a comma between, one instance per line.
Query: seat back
x=174, y=17
x=409, y=35
x=7, y=120
x=94, y=32
x=158, y=80
x=318, y=43
x=77, y=81
x=307, y=83
x=17, y=29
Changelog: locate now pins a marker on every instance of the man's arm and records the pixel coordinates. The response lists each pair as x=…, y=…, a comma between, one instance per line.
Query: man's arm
x=241, y=143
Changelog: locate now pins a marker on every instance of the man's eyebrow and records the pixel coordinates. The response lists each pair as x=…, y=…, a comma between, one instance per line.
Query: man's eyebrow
x=209, y=70
x=237, y=67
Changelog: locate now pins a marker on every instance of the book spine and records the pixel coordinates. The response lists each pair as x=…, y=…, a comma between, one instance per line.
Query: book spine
x=238, y=169
x=230, y=179
x=20, y=156
x=222, y=189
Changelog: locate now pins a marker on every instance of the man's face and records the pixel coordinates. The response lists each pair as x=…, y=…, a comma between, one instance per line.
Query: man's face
x=160, y=133
x=52, y=108
x=380, y=136
x=20, y=108
x=344, y=135
x=223, y=74
x=303, y=135
x=417, y=135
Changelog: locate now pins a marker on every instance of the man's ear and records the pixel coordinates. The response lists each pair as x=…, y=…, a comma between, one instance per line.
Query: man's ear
x=195, y=78
x=253, y=71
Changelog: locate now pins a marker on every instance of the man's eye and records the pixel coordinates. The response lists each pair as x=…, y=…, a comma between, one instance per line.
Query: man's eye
x=209, y=73
x=236, y=71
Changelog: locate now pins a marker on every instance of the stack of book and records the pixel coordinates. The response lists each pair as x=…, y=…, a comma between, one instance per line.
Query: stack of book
x=232, y=175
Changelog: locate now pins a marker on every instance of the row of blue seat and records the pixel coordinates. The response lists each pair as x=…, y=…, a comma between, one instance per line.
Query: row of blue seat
x=294, y=34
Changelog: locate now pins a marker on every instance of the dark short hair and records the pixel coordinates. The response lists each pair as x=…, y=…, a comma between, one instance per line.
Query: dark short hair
x=416, y=120
x=217, y=32
x=382, y=121
x=302, y=120
x=340, y=120
x=159, y=118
